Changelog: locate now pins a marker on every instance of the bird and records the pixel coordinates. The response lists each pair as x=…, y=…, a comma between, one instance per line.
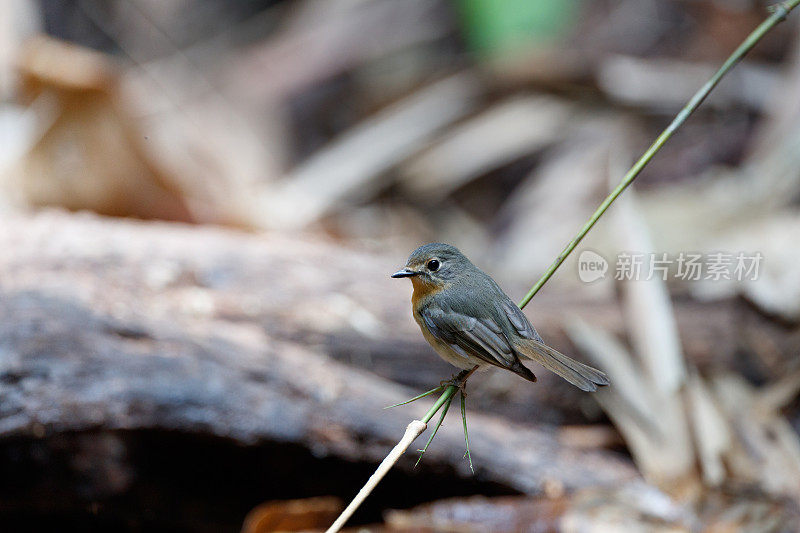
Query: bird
x=471, y=323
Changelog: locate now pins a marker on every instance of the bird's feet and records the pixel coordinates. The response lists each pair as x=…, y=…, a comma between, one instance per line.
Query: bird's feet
x=459, y=381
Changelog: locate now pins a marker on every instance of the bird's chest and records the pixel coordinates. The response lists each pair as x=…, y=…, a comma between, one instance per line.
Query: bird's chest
x=422, y=297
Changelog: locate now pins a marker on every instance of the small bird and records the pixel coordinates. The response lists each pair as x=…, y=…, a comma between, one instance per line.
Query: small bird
x=472, y=323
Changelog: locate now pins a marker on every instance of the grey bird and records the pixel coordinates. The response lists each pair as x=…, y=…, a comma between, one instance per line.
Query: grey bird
x=472, y=323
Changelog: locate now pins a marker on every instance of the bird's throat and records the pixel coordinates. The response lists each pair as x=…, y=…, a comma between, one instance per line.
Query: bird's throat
x=423, y=290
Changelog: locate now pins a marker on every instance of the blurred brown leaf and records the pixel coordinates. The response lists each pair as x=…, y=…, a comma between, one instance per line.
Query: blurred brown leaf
x=292, y=515
x=89, y=153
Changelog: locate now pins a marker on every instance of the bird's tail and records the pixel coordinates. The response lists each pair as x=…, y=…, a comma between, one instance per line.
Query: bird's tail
x=582, y=376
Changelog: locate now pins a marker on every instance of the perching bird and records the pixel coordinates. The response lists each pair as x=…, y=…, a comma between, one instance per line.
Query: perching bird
x=471, y=322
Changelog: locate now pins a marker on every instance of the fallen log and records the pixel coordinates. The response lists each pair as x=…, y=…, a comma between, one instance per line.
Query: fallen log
x=121, y=325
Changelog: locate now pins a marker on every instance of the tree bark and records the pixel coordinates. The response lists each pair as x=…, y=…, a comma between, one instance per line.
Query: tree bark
x=123, y=325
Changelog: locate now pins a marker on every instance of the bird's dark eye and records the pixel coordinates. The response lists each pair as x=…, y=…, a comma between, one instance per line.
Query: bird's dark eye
x=433, y=265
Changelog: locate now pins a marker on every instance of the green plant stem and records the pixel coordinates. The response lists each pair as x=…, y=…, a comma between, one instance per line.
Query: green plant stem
x=415, y=398
x=435, y=430
x=779, y=12
x=444, y=398
x=466, y=433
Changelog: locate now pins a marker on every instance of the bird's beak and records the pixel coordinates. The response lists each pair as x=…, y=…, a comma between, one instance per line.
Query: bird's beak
x=404, y=273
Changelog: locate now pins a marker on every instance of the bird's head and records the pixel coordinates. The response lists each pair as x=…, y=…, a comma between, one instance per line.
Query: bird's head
x=434, y=265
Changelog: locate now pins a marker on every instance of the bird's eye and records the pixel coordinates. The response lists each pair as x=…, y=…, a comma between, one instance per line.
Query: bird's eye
x=433, y=265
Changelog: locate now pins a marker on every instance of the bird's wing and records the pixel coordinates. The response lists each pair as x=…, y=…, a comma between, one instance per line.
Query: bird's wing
x=519, y=320
x=466, y=335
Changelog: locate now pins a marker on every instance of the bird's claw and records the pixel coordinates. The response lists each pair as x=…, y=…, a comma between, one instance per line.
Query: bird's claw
x=459, y=381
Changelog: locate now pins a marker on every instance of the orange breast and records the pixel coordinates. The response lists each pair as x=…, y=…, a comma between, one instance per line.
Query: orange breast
x=423, y=291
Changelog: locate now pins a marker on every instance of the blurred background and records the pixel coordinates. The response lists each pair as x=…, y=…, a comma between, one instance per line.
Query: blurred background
x=201, y=202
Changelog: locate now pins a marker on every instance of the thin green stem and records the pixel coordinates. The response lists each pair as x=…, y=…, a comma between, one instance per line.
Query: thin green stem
x=466, y=434
x=446, y=396
x=436, y=429
x=779, y=12
x=415, y=398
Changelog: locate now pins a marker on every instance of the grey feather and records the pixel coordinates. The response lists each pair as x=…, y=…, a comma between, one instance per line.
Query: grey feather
x=582, y=376
x=519, y=320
